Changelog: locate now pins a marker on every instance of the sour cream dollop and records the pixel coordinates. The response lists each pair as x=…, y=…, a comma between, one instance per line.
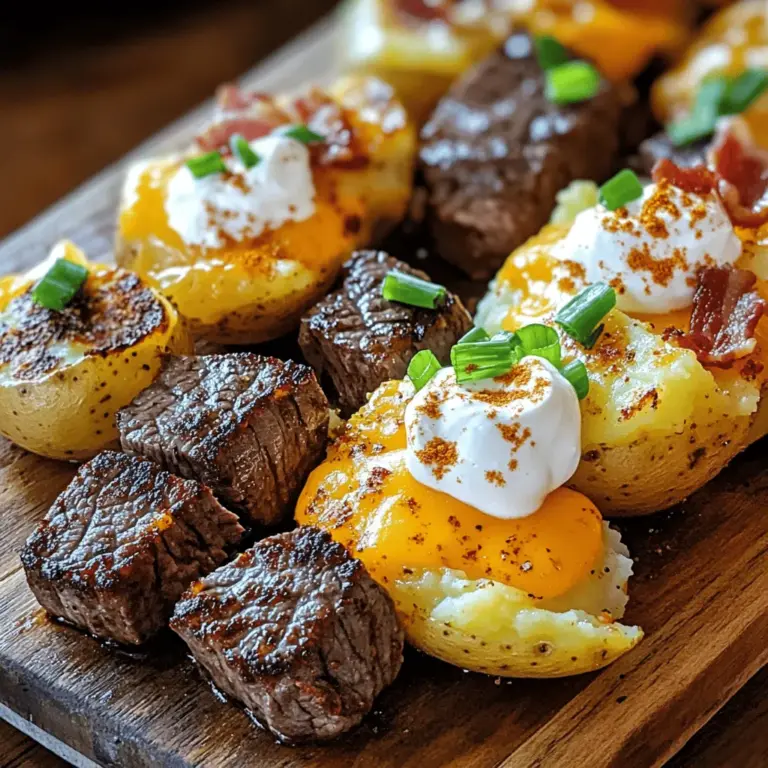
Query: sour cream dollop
x=651, y=250
x=245, y=202
x=501, y=445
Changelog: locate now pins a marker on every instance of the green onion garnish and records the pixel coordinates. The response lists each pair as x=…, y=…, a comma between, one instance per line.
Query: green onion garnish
x=59, y=285
x=423, y=366
x=581, y=316
x=205, y=165
x=476, y=334
x=743, y=90
x=482, y=360
x=623, y=188
x=576, y=373
x=540, y=340
x=708, y=107
x=572, y=82
x=242, y=150
x=303, y=134
x=411, y=290
x=550, y=52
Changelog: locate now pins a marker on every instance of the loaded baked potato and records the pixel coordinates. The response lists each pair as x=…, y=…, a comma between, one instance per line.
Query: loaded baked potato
x=245, y=246
x=657, y=423
x=64, y=374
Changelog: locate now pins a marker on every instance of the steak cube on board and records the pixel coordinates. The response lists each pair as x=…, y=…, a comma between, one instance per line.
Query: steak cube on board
x=250, y=427
x=356, y=339
x=496, y=151
x=297, y=631
x=120, y=545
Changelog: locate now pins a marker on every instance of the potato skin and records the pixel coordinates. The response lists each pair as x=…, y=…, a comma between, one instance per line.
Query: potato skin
x=69, y=414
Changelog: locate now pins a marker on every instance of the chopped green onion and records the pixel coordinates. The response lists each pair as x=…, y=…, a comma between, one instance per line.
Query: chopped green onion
x=423, y=366
x=623, y=188
x=541, y=341
x=708, y=107
x=303, y=134
x=576, y=373
x=242, y=150
x=581, y=316
x=549, y=51
x=482, y=360
x=572, y=82
x=411, y=290
x=60, y=284
x=205, y=165
x=476, y=334
x=743, y=90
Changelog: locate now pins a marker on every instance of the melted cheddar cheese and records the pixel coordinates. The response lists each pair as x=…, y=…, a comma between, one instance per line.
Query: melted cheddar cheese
x=364, y=496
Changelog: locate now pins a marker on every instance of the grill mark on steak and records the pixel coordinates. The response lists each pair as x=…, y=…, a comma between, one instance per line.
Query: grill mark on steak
x=496, y=151
x=357, y=339
x=250, y=427
x=120, y=545
x=297, y=631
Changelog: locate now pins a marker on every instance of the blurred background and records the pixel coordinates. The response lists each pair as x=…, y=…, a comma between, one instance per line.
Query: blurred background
x=80, y=87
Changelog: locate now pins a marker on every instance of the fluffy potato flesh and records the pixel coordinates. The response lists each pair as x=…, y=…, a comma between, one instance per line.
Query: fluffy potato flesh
x=537, y=596
x=252, y=291
x=64, y=375
x=656, y=425
x=421, y=55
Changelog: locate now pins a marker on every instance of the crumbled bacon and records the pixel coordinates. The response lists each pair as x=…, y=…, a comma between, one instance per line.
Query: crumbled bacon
x=425, y=10
x=697, y=179
x=726, y=312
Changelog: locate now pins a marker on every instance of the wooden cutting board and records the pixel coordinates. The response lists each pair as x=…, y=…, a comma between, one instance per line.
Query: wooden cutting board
x=701, y=594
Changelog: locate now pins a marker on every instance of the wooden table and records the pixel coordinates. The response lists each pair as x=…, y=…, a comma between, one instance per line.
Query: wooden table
x=67, y=116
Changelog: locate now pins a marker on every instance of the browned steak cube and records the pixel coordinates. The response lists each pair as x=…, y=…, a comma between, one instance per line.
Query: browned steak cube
x=355, y=339
x=120, y=545
x=496, y=151
x=297, y=631
x=660, y=146
x=250, y=427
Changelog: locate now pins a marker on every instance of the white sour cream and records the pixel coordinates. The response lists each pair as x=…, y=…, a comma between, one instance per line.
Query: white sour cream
x=501, y=445
x=652, y=250
x=242, y=204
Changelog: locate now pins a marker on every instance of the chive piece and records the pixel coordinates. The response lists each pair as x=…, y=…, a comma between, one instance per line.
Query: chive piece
x=572, y=82
x=550, y=52
x=205, y=165
x=482, y=360
x=241, y=149
x=708, y=107
x=476, y=334
x=411, y=290
x=623, y=188
x=423, y=366
x=59, y=285
x=580, y=317
x=303, y=133
x=576, y=373
x=743, y=90
x=541, y=341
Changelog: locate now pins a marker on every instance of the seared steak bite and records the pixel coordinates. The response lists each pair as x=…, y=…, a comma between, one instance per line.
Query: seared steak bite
x=496, y=151
x=250, y=427
x=120, y=545
x=660, y=146
x=356, y=339
x=296, y=630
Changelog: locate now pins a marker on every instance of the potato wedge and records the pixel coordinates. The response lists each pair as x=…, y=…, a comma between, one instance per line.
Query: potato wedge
x=257, y=289
x=64, y=375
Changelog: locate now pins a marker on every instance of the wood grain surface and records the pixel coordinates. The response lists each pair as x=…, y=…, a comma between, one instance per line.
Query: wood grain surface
x=701, y=593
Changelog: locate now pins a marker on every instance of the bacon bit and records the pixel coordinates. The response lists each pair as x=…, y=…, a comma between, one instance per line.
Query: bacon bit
x=697, y=179
x=725, y=313
x=420, y=9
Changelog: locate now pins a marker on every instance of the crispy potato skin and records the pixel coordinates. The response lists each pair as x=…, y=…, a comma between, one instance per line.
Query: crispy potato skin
x=69, y=414
x=657, y=425
x=252, y=292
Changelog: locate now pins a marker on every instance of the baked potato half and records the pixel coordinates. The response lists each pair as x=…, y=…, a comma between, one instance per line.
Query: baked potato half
x=420, y=47
x=657, y=424
x=64, y=375
x=538, y=596
x=197, y=241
